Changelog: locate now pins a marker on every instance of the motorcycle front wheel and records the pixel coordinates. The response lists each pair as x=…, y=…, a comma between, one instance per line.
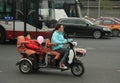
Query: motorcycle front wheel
x=77, y=69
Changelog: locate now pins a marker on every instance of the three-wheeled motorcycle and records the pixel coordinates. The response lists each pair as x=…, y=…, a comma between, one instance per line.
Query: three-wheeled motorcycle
x=28, y=64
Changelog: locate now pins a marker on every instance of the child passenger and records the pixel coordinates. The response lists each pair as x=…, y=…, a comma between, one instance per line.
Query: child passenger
x=34, y=45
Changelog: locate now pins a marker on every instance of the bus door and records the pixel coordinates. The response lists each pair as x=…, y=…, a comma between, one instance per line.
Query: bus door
x=72, y=9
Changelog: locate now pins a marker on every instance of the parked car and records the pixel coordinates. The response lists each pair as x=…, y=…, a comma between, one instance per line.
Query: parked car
x=112, y=22
x=83, y=27
x=116, y=19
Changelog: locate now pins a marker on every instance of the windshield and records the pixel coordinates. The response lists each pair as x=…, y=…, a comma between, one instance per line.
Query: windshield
x=89, y=22
x=56, y=9
x=71, y=7
x=117, y=19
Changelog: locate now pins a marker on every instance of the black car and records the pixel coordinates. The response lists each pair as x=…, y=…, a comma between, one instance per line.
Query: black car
x=83, y=27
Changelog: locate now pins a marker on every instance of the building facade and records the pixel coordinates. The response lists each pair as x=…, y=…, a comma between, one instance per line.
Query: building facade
x=98, y=8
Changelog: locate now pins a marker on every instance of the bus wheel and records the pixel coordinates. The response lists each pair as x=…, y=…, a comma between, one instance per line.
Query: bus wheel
x=2, y=36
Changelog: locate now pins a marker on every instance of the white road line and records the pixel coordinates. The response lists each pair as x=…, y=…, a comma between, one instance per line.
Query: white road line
x=118, y=71
x=90, y=48
x=1, y=71
x=87, y=48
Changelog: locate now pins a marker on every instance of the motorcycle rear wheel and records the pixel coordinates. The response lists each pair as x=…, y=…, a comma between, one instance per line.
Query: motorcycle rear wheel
x=25, y=67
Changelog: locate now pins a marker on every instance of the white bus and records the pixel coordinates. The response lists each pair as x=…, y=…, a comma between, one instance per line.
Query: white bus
x=19, y=16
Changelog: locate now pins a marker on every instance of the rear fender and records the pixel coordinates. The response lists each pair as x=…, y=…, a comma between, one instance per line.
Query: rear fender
x=71, y=56
x=25, y=59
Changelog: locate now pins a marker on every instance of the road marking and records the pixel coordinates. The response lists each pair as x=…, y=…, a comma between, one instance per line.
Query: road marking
x=87, y=48
x=90, y=48
x=118, y=70
x=1, y=71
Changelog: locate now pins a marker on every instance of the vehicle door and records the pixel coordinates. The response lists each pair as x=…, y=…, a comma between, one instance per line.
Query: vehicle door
x=69, y=26
x=82, y=28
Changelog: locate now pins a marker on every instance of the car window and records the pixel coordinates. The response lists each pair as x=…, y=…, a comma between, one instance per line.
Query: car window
x=107, y=22
x=68, y=21
x=80, y=22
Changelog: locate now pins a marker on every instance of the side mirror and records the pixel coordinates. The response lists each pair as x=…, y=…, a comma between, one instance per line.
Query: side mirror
x=87, y=25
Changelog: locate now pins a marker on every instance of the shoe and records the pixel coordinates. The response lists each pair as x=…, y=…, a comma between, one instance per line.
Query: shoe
x=62, y=66
x=54, y=61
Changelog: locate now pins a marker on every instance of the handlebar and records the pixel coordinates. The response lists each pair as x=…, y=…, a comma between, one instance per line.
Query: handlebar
x=71, y=44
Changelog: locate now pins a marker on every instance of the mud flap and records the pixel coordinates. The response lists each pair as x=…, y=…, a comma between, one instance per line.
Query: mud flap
x=71, y=56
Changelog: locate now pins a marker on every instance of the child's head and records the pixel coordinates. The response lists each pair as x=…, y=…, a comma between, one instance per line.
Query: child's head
x=27, y=35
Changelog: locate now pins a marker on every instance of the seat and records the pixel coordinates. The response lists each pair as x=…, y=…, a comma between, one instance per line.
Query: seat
x=21, y=47
x=49, y=51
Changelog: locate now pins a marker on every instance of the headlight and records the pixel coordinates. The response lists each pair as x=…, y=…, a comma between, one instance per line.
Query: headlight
x=106, y=29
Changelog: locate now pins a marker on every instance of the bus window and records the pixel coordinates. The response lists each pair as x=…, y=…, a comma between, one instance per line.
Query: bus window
x=1, y=9
x=70, y=10
x=5, y=8
x=68, y=6
x=1, y=6
x=44, y=10
x=9, y=6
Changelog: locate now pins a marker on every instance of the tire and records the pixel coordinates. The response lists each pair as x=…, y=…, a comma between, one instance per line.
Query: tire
x=97, y=34
x=2, y=36
x=115, y=33
x=25, y=67
x=77, y=69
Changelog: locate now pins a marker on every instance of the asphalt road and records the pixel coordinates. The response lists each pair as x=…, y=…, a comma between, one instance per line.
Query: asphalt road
x=102, y=64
